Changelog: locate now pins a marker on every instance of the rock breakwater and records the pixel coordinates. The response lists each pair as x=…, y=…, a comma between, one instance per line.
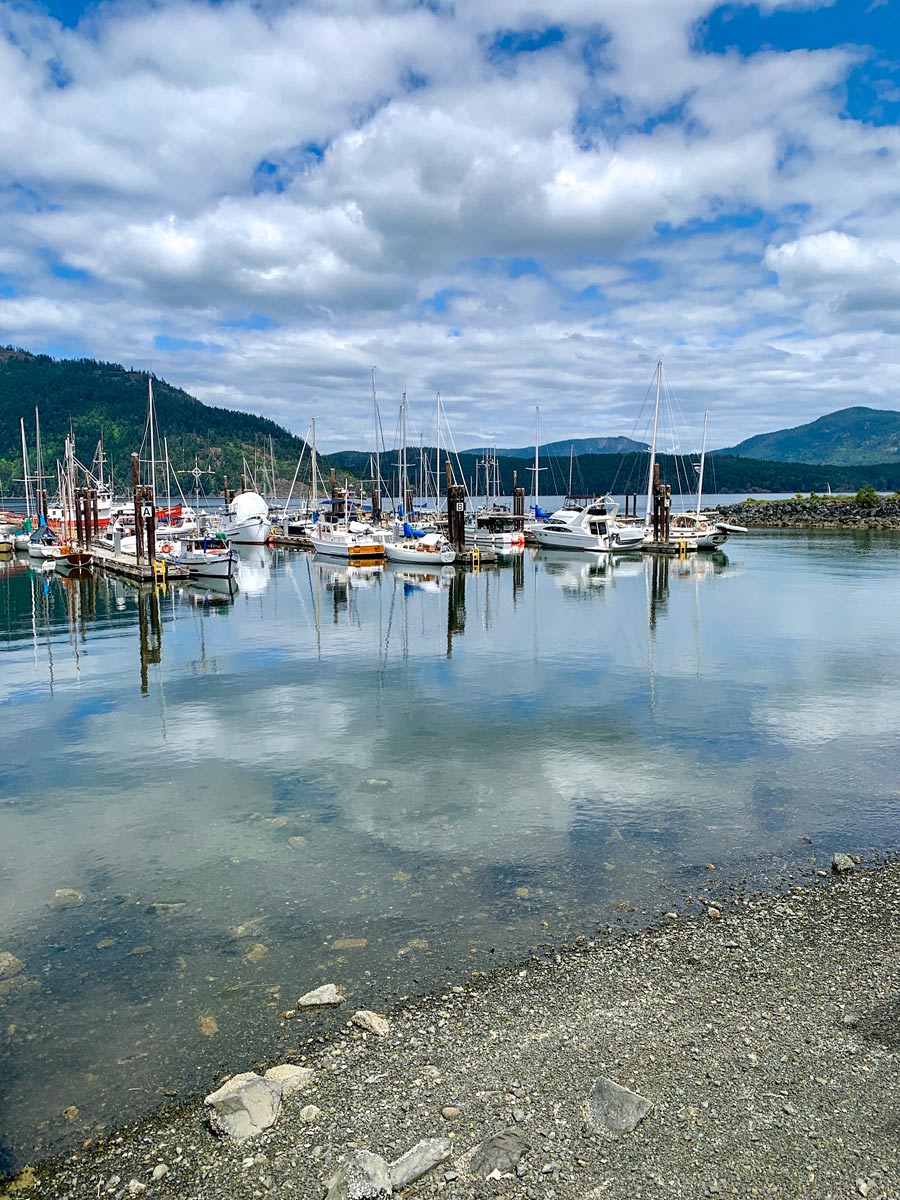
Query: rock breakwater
x=823, y=512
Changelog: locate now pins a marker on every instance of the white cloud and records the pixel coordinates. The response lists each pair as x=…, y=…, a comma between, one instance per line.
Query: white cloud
x=509, y=229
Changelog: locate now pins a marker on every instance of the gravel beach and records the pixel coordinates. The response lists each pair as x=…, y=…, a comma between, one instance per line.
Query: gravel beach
x=764, y=1031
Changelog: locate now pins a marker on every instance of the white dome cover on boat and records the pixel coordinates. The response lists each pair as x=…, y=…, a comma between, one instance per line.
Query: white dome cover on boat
x=248, y=504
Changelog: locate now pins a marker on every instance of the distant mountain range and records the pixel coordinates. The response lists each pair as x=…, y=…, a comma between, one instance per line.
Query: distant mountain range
x=848, y=437
x=92, y=398
x=588, y=445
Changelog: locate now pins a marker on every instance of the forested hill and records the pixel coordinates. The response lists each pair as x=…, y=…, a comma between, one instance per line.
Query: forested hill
x=600, y=473
x=846, y=437
x=94, y=398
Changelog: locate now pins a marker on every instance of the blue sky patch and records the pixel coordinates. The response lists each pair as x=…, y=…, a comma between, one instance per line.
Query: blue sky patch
x=163, y=341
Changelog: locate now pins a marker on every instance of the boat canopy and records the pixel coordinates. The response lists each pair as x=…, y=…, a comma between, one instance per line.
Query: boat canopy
x=248, y=504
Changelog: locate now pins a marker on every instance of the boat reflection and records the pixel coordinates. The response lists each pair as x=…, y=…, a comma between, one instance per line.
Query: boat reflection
x=253, y=569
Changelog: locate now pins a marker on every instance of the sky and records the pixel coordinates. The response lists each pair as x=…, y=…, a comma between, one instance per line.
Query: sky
x=515, y=203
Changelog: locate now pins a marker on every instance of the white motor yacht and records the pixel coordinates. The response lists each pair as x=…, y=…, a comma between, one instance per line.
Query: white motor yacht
x=594, y=529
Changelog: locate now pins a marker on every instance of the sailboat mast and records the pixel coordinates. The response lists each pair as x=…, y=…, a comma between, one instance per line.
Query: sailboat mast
x=571, y=463
x=702, y=464
x=537, y=429
x=25, y=470
x=152, y=441
x=653, y=443
x=437, y=473
x=403, y=480
x=375, y=436
x=39, y=462
x=315, y=498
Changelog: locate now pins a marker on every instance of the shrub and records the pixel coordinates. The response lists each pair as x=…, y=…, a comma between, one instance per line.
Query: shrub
x=867, y=496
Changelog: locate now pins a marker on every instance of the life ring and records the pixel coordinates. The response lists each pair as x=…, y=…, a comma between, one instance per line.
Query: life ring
x=166, y=548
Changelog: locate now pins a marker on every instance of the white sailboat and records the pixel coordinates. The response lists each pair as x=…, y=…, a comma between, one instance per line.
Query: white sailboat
x=431, y=550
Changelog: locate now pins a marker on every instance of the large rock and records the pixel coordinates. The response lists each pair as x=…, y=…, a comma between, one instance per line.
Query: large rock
x=363, y=1176
x=498, y=1153
x=9, y=965
x=66, y=898
x=326, y=996
x=424, y=1157
x=841, y=864
x=290, y=1079
x=244, y=1106
x=614, y=1109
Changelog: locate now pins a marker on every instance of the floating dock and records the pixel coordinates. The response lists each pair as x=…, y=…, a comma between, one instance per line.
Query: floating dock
x=141, y=572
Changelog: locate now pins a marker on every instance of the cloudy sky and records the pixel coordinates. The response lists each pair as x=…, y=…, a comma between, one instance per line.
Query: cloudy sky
x=515, y=202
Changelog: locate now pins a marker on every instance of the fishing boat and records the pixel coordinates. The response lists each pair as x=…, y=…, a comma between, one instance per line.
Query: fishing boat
x=594, y=529
x=431, y=549
x=204, y=558
x=352, y=541
x=247, y=523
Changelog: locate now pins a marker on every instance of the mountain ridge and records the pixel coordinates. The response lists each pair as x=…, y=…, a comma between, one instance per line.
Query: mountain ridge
x=853, y=436
x=91, y=399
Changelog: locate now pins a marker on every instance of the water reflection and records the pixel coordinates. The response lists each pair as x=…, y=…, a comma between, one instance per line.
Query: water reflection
x=367, y=774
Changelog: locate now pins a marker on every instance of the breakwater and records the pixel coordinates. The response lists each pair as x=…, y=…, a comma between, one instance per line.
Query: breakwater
x=823, y=512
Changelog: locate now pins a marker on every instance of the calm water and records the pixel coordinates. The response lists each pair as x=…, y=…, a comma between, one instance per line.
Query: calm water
x=382, y=780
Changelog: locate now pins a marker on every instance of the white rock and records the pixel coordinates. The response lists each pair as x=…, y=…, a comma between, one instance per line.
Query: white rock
x=290, y=1079
x=372, y=1022
x=135, y=1187
x=160, y=1171
x=244, y=1106
x=363, y=1176
x=325, y=996
x=310, y=1112
x=422, y=1158
x=842, y=864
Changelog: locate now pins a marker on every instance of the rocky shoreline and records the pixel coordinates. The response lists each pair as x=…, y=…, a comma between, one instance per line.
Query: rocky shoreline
x=822, y=512
x=745, y=1046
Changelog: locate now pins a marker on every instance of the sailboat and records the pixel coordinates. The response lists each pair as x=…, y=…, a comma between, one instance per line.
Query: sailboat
x=687, y=530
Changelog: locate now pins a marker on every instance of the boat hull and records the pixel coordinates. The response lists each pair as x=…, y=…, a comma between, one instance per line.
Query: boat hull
x=398, y=553
x=348, y=550
x=254, y=531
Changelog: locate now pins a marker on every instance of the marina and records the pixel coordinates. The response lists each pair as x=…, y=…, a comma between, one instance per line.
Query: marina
x=299, y=800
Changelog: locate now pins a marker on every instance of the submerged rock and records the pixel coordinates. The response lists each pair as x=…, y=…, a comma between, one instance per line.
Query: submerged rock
x=363, y=1176
x=9, y=965
x=842, y=864
x=244, y=1106
x=614, y=1109
x=372, y=1022
x=66, y=898
x=289, y=1078
x=326, y=996
x=422, y=1158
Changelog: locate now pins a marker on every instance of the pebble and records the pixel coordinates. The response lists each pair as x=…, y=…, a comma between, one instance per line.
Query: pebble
x=450, y=1112
x=713, y=913
x=160, y=1171
x=310, y=1112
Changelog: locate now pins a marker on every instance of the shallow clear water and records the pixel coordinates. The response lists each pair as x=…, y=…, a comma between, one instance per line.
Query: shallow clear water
x=383, y=779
